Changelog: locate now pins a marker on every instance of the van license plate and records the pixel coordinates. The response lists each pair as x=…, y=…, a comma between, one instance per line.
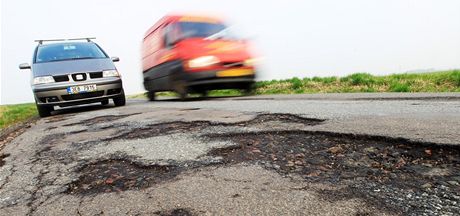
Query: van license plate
x=235, y=72
x=81, y=89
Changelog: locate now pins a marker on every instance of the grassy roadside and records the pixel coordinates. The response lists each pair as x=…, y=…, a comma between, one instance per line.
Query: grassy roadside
x=443, y=81
x=11, y=114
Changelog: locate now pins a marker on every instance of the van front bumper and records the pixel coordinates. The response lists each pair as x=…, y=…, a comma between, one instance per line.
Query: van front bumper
x=55, y=94
x=215, y=79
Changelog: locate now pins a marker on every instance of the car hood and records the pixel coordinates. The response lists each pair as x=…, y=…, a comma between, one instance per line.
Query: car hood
x=71, y=66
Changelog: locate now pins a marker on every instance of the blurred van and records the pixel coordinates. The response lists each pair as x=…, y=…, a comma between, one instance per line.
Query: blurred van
x=193, y=54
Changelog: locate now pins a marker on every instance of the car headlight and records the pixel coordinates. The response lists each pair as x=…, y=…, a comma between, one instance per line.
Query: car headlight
x=203, y=61
x=250, y=62
x=110, y=73
x=43, y=80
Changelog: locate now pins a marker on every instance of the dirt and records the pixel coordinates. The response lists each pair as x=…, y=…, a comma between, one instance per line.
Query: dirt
x=10, y=133
x=391, y=173
x=119, y=175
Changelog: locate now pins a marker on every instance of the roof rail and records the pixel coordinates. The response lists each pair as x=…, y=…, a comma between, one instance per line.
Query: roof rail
x=70, y=39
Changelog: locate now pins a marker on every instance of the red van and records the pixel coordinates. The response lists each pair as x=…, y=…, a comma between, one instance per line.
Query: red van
x=193, y=54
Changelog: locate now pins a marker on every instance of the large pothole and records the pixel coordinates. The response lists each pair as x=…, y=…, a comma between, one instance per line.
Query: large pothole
x=196, y=126
x=395, y=173
x=119, y=175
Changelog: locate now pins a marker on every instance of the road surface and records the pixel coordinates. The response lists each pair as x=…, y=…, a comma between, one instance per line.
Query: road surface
x=321, y=154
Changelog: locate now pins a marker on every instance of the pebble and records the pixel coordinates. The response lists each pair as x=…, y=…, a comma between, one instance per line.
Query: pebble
x=452, y=182
x=427, y=185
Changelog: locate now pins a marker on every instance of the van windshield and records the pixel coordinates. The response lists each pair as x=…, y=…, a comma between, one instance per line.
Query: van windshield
x=206, y=30
x=68, y=51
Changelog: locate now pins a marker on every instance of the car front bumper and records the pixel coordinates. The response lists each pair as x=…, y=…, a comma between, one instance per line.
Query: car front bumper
x=55, y=94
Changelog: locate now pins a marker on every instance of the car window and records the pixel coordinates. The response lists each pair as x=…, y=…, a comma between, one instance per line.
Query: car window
x=204, y=30
x=70, y=51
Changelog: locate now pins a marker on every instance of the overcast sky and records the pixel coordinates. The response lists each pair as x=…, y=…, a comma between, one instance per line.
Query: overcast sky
x=295, y=38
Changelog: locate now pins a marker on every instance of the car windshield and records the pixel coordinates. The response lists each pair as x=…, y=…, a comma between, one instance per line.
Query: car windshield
x=68, y=51
x=204, y=30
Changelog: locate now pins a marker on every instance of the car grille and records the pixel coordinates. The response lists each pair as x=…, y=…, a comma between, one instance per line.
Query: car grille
x=95, y=75
x=74, y=77
x=61, y=78
x=82, y=95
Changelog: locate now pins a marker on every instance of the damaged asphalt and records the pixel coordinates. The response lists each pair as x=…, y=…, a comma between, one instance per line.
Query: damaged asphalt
x=350, y=154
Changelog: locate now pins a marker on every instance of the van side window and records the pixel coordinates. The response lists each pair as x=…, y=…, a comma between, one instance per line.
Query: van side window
x=171, y=35
x=167, y=36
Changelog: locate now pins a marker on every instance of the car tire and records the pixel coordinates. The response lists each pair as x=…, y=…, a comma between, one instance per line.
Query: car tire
x=105, y=102
x=120, y=100
x=151, y=95
x=44, y=111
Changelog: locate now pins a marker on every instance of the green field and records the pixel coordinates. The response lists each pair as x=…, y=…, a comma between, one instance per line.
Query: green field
x=11, y=114
x=445, y=81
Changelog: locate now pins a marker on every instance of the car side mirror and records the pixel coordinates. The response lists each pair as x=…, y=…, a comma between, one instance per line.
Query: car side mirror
x=115, y=59
x=24, y=66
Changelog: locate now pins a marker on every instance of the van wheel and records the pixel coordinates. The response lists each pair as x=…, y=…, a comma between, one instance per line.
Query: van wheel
x=151, y=95
x=182, y=90
x=183, y=95
x=120, y=100
x=249, y=90
x=104, y=102
x=203, y=93
x=44, y=111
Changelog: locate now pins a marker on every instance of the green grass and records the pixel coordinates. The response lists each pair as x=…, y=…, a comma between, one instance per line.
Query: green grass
x=444, y=81
x=11, y=114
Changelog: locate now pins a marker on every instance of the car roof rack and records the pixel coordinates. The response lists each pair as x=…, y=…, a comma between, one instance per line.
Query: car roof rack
x=70, y=39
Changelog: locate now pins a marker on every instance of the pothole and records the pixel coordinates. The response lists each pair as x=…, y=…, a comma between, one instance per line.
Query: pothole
x=384, y=170
x=119, y=175
x=2, y=159
x=195, y=126
x=175, y=212
x=100, y=119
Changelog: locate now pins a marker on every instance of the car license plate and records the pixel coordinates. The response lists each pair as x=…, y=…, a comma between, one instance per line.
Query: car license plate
x=81, y=89
x=235, y=72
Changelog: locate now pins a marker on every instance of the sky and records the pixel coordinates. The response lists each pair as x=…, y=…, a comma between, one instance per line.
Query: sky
x=301, y=38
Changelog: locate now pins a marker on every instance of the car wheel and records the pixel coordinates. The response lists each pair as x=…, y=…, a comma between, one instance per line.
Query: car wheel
x=151, y=95
x=44, y=111
x=104, y=102
x=120, y=100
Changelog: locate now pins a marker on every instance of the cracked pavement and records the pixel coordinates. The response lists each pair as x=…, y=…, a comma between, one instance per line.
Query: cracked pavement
x=223, y=156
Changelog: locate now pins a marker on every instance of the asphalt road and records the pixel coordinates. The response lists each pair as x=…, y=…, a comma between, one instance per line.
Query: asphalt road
x=321, y=154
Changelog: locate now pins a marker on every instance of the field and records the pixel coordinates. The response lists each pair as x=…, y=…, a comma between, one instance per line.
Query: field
x=11, y=114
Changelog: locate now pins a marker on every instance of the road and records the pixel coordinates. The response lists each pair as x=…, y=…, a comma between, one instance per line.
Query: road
x=320, y=154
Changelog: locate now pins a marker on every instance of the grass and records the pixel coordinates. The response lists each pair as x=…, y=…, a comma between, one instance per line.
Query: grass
x=443, y=81
x=11, y=114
